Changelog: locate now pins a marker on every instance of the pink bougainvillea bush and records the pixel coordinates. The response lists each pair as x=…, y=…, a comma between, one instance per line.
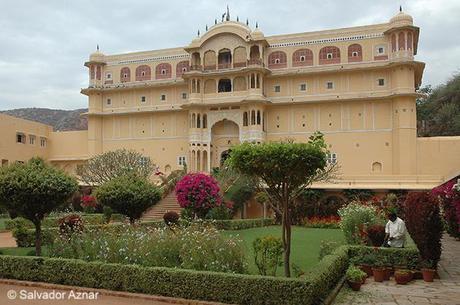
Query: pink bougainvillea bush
x=450, y=200
x=199, y=193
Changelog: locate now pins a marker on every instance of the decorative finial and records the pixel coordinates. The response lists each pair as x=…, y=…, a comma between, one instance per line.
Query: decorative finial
x=400, y=8
x=237, y=19
x=198, y=33
x=257, y=25
x=228, y=14
x=206, y=27
x=97, y=47
x=247, y=21
x=215, y=21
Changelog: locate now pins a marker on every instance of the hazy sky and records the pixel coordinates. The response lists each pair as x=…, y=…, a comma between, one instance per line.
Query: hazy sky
x=45, y=43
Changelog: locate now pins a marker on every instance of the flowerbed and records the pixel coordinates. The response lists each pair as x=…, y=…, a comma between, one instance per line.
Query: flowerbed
x=197, y=247
x=326, y=222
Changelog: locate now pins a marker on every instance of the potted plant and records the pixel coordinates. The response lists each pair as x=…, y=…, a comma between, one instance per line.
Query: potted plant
x=365, y=263
x=379, y=269
x=428, y=270
x=403, y=276
x=355, y=277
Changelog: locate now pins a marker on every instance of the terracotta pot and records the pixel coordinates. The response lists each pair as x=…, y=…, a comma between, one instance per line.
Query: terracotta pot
x=355, y=286
x=379, y=274
x=403, y=278
x=428, y=274
x=367, y=269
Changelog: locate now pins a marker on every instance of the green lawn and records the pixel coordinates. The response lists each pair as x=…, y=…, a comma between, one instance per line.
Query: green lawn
x=305, y=243
x=22, y=251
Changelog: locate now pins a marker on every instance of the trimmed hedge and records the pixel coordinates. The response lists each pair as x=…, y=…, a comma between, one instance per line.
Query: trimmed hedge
x=409, y=257
x=199, y=285
x=241, y=224
x=49, y=222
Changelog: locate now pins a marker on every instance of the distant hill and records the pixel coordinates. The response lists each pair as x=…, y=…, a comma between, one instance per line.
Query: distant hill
x=61, y=120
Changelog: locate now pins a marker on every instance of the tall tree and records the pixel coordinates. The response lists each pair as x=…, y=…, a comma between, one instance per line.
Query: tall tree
x=33, y=190
x=104, y=167
x=438, y=113
x=283, y=170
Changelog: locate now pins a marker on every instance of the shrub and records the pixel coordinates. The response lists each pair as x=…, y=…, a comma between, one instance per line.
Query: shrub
x=241, y=224
x=221, y=212
x=450, y=200
x=69, y=225
x=107, y=212
x=376, y=235
x=355, y=217
x=198, y=192
x=268, y=252
x=327, y=247
x=171, y=218
x=424, y=224
x=402, y=257
x=26, y=237
x=88, y=203
x=129, y=195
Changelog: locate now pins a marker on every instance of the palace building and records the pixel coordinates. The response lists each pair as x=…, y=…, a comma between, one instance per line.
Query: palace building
x=233, y=84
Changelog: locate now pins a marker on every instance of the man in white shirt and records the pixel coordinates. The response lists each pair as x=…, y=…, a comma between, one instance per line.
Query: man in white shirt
x=395, y=231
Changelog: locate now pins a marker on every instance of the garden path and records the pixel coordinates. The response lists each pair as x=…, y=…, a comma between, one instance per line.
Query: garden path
x=7, y=240
x=443, y=291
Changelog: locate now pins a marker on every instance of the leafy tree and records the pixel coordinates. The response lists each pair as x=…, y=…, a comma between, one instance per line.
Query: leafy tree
x=104, y=167
x=130, y=195
x=438, y=113
x=283, y=170
x=33, y=190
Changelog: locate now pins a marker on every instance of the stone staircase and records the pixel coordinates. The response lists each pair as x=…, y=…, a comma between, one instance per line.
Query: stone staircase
x=169, y=203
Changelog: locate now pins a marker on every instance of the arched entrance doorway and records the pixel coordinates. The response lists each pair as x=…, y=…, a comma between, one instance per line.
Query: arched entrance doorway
x=224, y=135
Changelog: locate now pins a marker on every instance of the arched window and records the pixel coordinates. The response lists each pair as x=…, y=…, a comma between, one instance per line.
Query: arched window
x=163, y=71
x=92, y=69
x=263, y=121
x=98, y=72
x=225, y=85
x=198, y=121
x=355, y=53
x=239, y=57
x=225, y=59
x=198, y=86
x=143, y=73
x=257, y=80
x=277, y=60
x=409, y=41
x=245, y=118
x=205, y=121
x=254, y=55
x=193, y=120
x=253, y=117
x=401, y=41
x=393, y=42
x=302, y=57
x=253, y=80
x=210, y=60
x=329, y=55
x=125, y=75
x=182, y=67
x=258, y=117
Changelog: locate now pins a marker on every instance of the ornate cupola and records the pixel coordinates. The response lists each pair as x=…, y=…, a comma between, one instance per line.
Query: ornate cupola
x=403, y=36
x=95, y=65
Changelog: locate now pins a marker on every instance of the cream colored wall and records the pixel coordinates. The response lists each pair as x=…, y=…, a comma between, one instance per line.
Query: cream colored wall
x=439, y=156
x=68, y=145
x=10, y=150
